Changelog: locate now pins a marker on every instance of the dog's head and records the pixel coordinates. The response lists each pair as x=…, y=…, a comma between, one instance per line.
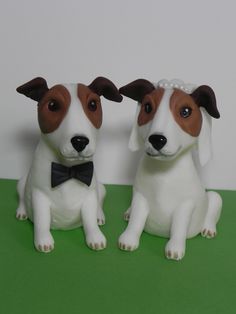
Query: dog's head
x=70, y=115
x=171, y=117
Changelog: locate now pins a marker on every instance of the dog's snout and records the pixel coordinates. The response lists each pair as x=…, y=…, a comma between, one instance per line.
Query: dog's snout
x=79, y=142
x=158, y=141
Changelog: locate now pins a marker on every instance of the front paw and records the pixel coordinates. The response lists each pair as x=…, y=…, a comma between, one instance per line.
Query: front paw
x=96, y=240
x=209, y=232
x=21, y=214
x=128, y=241
x=127, y=214
x=175, y=250
x=44, y=242
x=101, y=217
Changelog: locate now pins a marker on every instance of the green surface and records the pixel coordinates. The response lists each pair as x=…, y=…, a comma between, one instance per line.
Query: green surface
x=75, y=279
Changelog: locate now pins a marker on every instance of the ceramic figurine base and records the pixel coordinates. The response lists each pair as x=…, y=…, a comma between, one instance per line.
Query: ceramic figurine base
x=61, y=190
x=168, y=197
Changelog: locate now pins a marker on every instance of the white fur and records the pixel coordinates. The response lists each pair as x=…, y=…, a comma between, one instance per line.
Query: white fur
x=71, y=204
x=168, y=197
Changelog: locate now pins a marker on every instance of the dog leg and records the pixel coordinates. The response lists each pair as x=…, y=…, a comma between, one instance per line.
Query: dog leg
x=175, y=248
x=94, y=237
x=101, y=195
x=43, y=239
x=21, y=213
x=129, y=239
x=212, y=215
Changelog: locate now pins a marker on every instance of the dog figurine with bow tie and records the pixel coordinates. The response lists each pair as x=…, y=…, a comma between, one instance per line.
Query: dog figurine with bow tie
x=61, y=190
x=168, y=197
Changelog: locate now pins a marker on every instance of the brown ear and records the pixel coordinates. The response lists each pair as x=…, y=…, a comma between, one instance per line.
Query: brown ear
x=104, y=87
x=34, y=89
x=204, y=96
x=137, y=89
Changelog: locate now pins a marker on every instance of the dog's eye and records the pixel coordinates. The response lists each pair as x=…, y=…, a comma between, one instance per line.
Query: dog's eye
x=148, y=107
x=92, y=105
x=53, y=106
x=185, y=112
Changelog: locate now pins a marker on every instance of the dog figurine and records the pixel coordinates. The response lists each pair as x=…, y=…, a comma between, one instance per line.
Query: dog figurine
x=168, y=197
x=61, y=190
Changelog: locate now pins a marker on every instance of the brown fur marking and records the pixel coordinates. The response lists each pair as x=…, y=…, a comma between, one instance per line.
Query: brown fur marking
x=49, y=121
x=154, y=98
x=86, y=95
x=192, y=124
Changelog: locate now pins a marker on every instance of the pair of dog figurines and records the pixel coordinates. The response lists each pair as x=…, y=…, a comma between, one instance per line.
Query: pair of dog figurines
x=61, y=190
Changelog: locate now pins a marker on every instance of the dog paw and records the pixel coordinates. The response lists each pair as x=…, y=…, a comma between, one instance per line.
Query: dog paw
x=175, y=250
x=21, y=214
x=44, y=243
x=128, y=241
x=96, y=240
x=209, y=232
x=101, y=217
x=127, y=215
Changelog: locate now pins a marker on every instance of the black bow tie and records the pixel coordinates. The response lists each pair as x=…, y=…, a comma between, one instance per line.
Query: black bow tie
x=82, y=172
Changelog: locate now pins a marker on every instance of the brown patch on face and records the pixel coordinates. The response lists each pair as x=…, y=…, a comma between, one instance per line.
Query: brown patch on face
x=192, y=123
x=149, y=106
x=53, y=108
x=91, y=104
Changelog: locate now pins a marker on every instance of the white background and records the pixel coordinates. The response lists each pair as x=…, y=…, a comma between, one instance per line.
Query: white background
x=75, y=41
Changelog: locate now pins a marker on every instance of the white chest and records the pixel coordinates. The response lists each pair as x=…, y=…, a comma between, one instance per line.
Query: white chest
x=65, y=200
x=166, y=187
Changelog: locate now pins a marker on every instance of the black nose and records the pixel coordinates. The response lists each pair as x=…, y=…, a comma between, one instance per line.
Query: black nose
x=157, y=141
x=79, y=142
